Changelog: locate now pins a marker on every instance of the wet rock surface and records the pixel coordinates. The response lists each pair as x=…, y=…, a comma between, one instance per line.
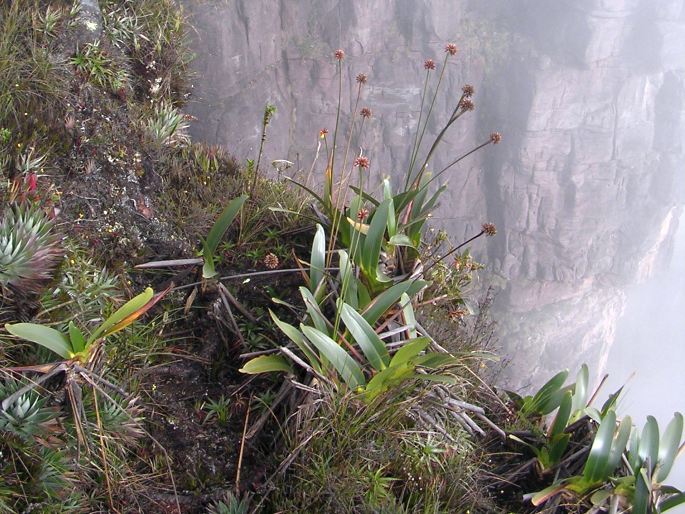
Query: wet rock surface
x=584, y=188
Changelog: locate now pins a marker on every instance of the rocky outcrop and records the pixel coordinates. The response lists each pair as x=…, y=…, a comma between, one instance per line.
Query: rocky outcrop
x=589, y=96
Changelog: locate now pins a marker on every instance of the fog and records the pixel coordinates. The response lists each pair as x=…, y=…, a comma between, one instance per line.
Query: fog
x=586, y=188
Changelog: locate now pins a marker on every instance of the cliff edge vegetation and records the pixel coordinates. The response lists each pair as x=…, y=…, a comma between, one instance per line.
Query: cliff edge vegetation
x=183, y=332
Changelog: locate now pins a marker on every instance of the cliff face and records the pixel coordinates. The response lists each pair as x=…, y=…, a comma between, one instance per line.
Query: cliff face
x=589, y=97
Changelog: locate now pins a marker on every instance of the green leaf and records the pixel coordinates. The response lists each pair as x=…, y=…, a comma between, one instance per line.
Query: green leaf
x=125, y=311
x=45, y=336
x=389, y=377
x=668, y=447
x=610, y=403
x=345, y=365
x=641, y=499
x=318, y=259
x=633, y=455
x=366, y=196
x=404, y=198
x=313, y=310
x=618, y=445
x=374, y=349
x=672, y=501
x=296, y=337
x=392, y=221
x=409, y=351
x=563, y=415
x=309, y=190
x=544, y=400
x=208, y=266
x=435, y=360
x=548, y=492
x=593, y=414
x=649, y=443
x=347, y=275
x=401, y=240
x=266, y=364
x=78, y=341
x=430, y=204
x=598, y=458
x=388, y=298
x=409, y=317
x=600, y=497
x=374, y=240
x=221, y=225
x=580, y=392
x=557, y=447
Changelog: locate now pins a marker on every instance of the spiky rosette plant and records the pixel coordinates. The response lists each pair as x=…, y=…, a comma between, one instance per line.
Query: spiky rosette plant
x=29, y=250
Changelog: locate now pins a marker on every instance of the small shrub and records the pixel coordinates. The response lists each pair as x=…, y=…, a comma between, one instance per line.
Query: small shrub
x=29, y=249
x=97, y=67
x=166, y=126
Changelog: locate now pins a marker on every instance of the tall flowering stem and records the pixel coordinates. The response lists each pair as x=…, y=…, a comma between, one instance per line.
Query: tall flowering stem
x=494, y=139
x=487, y=229
x=361, y=80
x=339, y=56
x=415, y=148
x=430, y=110
x=362, y=164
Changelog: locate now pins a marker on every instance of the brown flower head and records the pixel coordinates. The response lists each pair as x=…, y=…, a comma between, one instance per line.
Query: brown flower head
x=271, y=261
x=339, y=54
x=458, y=314
x=361, y=78
x=429, y=64
x=467, y=104
x=365, y=112
x=323, y=132
x=468, y=90
x=451, y=48
x=489, y=229
x=362, y=214
x=495, y=137
x=362, y=162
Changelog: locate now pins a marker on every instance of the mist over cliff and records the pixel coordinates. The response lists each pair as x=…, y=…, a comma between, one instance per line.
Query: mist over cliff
x=585, y=188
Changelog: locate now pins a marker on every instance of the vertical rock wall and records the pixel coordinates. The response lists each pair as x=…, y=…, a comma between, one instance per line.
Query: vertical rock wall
x=584, y=188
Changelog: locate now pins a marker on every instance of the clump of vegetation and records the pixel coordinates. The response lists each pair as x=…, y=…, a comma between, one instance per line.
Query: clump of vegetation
x=301, y=353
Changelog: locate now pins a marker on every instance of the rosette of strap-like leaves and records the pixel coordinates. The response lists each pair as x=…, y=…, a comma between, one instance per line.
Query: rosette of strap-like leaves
x=29, y=249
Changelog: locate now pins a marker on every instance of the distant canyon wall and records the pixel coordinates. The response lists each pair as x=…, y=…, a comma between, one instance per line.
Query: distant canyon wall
x=585, y=188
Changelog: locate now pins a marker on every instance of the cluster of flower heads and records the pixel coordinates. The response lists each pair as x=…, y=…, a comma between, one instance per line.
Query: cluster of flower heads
x=465, y=104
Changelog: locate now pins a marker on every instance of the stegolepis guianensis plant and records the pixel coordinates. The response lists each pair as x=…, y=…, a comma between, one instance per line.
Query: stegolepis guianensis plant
x=357, y=358
x=401, y=214
x=624, y=468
